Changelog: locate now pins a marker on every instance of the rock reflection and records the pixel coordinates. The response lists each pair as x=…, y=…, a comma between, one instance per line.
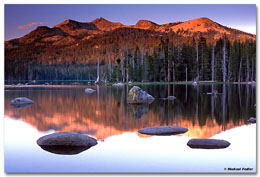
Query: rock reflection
x=138, y=111
x=20, y=106
x=106, y=113
x=63, y=150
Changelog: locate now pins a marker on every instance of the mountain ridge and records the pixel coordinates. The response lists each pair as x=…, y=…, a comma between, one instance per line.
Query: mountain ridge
x=71, y=35
x=103, y=25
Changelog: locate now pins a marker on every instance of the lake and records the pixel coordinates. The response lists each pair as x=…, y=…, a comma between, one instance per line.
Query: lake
x=106, y=116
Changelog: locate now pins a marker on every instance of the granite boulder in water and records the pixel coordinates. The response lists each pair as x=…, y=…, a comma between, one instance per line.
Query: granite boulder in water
x=90, y=90
x=66, y=143
x=138, y=96
x=201, y=143
x=171, y=98
x=163, y=130
x=252, y=120
x=21, y=102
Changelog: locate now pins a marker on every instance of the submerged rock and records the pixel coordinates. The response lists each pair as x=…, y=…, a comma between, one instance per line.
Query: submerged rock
x=163, y=130
x=252, y=83
x=169, y=98
x=207, y=143
x=214, y=92
x=137, y=111
x=66, y=143
x=21, y=102
x=252, y=120
x=90, y=90
x=138, y=96
x=163, y=98
x=118, y=84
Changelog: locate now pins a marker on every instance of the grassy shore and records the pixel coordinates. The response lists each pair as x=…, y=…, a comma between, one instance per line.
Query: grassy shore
x=51, y=83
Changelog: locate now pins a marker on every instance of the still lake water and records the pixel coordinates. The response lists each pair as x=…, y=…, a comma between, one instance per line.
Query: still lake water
x=106, y=116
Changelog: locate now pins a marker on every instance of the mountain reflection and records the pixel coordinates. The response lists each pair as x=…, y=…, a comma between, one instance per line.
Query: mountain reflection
x=106, y=112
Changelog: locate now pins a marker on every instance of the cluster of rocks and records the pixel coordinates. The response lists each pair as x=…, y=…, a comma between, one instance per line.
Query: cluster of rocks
x=70, y=143
x=66, y=143
x=192, y=143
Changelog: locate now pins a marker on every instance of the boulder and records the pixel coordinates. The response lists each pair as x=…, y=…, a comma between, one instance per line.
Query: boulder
x=19, y=84
x=194, y=83
x=138, y=96
x=66, y=143
x=90, y=90
x=201, y=143
x=118, y=84
x=171, y=98
x=163, y=130
x=252, y=120
x=21, y=102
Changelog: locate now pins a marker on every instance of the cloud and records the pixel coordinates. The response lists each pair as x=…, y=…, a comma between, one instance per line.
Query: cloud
x=30, y=25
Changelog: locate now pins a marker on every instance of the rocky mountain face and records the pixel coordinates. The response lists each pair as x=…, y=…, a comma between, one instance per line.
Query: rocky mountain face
x=44, y=42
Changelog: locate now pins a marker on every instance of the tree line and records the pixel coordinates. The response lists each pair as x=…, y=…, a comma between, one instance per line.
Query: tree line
x=164, y=58
x=222, y=61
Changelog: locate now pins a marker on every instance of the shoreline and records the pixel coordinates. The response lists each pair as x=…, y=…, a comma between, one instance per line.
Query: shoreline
x=110, y=84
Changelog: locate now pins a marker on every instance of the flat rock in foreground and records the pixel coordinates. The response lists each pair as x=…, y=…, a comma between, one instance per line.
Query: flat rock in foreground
x=66, y=143
x=207, y=143
x=163, y=130
x=138, y=96
x=21, y=102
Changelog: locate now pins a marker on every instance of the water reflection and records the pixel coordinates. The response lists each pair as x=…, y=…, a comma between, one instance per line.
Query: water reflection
x=65, y=150
x=137, y=111
x=106, y=113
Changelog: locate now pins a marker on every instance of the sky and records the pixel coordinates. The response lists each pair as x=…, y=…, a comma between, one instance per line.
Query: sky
x=23, y=18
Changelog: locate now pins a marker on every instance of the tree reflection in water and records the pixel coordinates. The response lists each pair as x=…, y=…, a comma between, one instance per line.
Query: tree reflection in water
x=106, y=112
